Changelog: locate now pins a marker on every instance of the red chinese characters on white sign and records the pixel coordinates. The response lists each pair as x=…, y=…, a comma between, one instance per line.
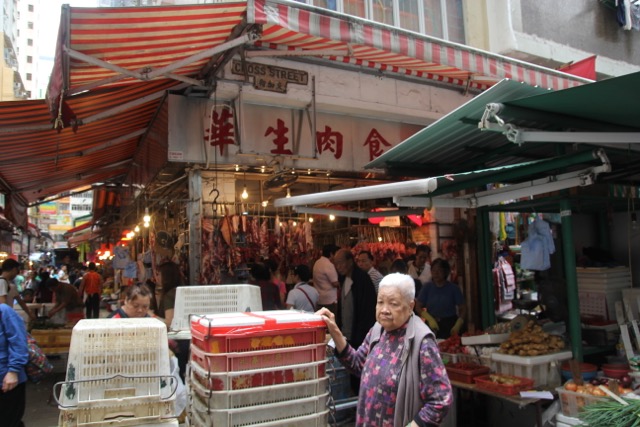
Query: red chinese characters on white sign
x=220, y=130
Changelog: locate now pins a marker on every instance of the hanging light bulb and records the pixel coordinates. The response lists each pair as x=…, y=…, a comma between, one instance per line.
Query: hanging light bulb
x=294, y=223
x=146, y=225
x=332, y=217
x=244, y=194
x=237, y=168
x=265, y=203
x=288, y=192
x=262, y=169
x=310, y=219
x=137, y=229
x=147, y=217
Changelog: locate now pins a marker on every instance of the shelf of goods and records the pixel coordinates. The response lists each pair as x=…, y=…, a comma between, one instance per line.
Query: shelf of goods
x=118, y=372
x=539, y=368
x=53, y=341
x=265, y=368
x=600, y=288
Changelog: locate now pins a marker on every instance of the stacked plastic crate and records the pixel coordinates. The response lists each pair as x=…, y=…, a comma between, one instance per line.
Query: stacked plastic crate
x=261, y=369
x=118, y=374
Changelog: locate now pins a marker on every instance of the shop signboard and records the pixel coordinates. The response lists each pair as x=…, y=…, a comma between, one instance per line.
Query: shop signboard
x=269, y=77
x=49, y=208
x=200, y=130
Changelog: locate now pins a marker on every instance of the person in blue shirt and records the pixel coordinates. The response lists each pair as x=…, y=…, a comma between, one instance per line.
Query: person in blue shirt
x=441, y=303
x=14, y=355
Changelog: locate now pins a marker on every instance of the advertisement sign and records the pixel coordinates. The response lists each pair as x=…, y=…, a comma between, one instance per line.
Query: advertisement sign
x=49, y=208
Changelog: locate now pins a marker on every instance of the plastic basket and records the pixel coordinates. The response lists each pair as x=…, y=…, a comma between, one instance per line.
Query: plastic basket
x=257, y=415
x=112, y=359
x=211, y=299
x=257, y=377
x=314, y=420
x=118, y=415
x=572, y=402
x=229, y=362
x=538, y=368
x=240, y=332
x=485, y=382
x=220, y=400
x=465, y=372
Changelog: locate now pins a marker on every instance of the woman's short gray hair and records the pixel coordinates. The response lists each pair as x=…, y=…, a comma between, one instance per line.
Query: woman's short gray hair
x=402, y=282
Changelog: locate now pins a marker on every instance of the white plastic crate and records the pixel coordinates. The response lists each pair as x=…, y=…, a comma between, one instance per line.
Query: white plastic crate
x=157, y=413
x=537, y=368
x=599, y=303
x=211, y=299
x=259, y=414
x=117, y=360
x=234, y=399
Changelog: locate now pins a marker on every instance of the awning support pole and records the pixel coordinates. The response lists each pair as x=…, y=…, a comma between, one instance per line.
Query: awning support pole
x=485, y=267
x=194, y=214
x=568, y=249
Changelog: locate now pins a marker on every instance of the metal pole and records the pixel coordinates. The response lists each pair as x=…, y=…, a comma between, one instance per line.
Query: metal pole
x=603, y=230
x=487, y=312
x=575, y=332
x=194, y=214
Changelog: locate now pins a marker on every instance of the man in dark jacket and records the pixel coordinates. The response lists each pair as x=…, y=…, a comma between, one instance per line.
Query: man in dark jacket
x=357, y=302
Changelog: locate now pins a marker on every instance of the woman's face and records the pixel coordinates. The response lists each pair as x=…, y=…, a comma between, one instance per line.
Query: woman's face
x=137, y=307
x=392, y=309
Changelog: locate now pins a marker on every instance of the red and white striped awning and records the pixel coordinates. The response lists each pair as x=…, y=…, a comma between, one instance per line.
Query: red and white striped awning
x=115, y=46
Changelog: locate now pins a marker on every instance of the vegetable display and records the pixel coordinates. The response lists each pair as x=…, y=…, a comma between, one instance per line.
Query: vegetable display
x=609, y=413
x=531, y=341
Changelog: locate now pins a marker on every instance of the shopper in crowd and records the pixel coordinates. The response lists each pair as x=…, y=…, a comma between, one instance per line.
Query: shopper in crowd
x=14, y=355
x=63, y=274
x=403, y=380
x=269, y=292
x=67, y=301
x=441, y=303
x=303, y=296
x=30, y=282
x=420, y=268
x=357, y=303
x=399, y=266
x=137, y=303
x=91, y=291
x=8, y=290
x=325, y=278
x=274, y=270
x=365, y=262
x=44, y=295
x=170, y=278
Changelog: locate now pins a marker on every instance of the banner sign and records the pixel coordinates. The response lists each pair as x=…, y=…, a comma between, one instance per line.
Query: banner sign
x=200, y=131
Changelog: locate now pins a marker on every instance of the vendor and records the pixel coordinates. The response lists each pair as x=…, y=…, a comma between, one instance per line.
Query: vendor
x=441, y=303
x=137, y=303
x=67, y=301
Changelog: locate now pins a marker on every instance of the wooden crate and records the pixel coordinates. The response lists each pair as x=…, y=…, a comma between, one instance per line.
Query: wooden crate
x=53, y=341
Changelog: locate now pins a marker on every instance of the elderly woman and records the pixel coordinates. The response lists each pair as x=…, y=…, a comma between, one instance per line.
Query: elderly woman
x=403, y=380
x=137, y=302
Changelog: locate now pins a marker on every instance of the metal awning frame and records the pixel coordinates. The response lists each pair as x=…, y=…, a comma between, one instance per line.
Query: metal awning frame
x=355, y=214
x=491, y=121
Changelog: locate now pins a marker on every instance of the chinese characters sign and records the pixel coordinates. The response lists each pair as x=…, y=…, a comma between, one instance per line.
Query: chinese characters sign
x=269, y=77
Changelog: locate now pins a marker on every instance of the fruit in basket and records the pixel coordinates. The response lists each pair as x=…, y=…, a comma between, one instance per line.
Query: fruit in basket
x=505, y=380
x=626, y=381
x=452, y=344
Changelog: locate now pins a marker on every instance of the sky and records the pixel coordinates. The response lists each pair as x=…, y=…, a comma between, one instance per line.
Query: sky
x=48, y=23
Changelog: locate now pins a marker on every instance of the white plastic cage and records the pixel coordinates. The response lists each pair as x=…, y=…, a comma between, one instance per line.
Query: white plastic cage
x=212, y=299
x=117, y=360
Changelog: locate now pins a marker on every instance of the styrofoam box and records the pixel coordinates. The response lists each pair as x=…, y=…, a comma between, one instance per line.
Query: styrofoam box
x=567, y=421
x=233, y=399
x=484, y=339
x=116, y=359
x=314, y=420
x=243, y=361
x=600, y=303
x=262, y=330
x=538, y=368
x=250, y=415
x=211, y=299
x=219, y=381
x=117, y=414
